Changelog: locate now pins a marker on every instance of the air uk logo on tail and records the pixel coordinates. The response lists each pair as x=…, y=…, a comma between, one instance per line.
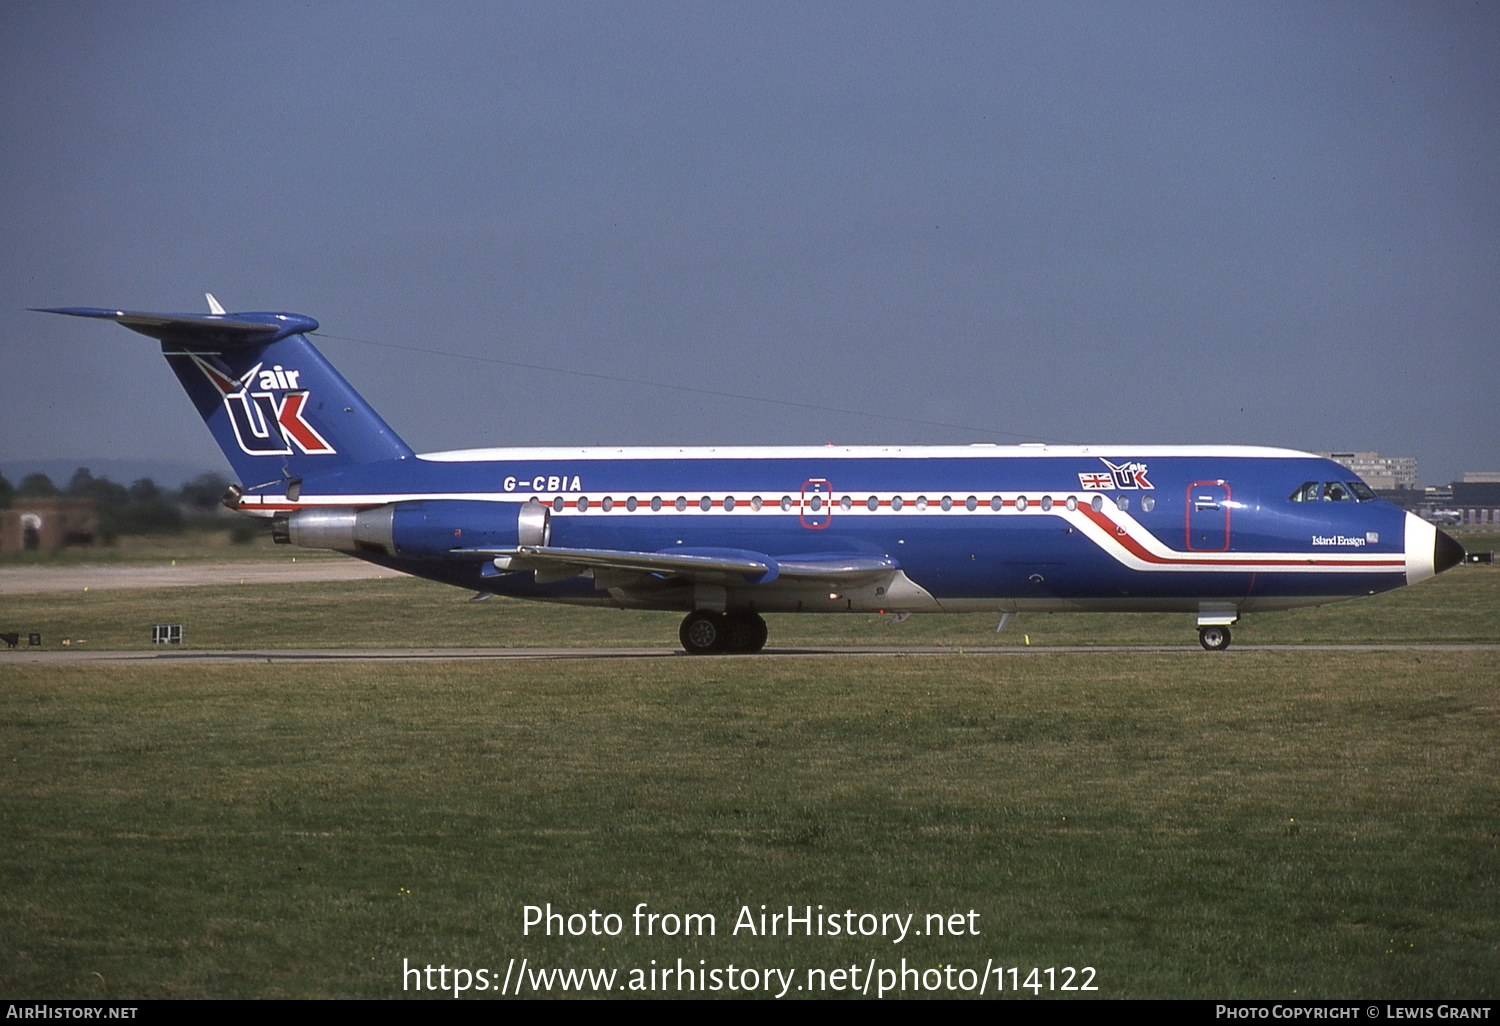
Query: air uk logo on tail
x=266, y=424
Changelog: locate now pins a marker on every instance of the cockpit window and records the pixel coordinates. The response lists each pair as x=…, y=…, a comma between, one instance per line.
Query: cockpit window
x=1335, y=491
x=1306, y=492
x=1361, y=490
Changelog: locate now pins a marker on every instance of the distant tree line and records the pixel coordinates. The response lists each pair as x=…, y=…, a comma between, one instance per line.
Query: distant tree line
x=142, y=508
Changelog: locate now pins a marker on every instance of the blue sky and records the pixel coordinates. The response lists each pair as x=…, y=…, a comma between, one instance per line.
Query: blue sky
x=1258, y=223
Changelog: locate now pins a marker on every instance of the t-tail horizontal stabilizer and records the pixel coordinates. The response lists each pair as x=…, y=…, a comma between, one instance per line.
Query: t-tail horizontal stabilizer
x=276, y=407
x=217, y=331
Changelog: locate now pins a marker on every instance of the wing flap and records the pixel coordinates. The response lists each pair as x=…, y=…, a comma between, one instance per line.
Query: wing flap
x=836, y=566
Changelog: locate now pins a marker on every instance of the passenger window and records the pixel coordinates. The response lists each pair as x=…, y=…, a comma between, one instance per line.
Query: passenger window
x=996, y=502
x=786, y=504
x=756, y=502
x=1334, y=491
x=656, y=503
x=681, y=503
x=872, y=503
x=971, y=503
x=705, y=504
x=1123, y=502
x=1096, y=503
x=1306, y=492
x=728, y=503
x=1148, y=503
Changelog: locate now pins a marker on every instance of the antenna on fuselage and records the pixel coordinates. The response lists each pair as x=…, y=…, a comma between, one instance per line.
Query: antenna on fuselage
x=213, y=304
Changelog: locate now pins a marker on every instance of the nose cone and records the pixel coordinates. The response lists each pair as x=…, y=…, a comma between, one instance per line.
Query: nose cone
x=1428, y=550
x=1446, y=553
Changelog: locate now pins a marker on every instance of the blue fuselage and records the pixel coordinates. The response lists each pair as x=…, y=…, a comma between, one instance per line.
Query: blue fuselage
x=997, y=528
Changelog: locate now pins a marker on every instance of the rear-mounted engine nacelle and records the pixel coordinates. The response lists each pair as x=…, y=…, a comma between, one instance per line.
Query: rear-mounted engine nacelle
x=429, y=529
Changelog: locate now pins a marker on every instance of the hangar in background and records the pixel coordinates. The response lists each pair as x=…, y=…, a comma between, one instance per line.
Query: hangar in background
x=47, y=523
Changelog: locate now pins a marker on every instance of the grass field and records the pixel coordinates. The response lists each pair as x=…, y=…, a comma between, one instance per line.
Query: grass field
x=1249, y=824
x=1462, y=605
x=1264, y=824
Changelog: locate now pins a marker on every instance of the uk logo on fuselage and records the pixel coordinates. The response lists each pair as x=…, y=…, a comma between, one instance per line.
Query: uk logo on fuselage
x=1120, y=475
x=266, y=424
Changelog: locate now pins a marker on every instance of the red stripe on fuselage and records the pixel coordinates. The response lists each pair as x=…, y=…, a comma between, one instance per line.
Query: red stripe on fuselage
x=1135, y=548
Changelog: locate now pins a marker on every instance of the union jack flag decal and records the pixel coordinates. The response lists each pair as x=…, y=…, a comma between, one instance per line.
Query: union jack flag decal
x=265, y=425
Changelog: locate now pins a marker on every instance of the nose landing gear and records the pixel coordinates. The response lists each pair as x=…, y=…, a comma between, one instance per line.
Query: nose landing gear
x=707, y=633
x=1214, y=639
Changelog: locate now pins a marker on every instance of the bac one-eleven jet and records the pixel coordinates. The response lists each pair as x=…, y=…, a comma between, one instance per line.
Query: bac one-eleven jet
x=726, y=534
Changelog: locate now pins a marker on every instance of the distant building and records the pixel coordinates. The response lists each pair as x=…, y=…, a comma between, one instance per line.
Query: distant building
x=1481, y=477
x=1476, y=502
x=1377, y=471
x=1462, y=502
x=46, y=524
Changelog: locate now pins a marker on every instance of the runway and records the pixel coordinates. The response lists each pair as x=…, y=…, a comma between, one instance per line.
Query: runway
x=24, y=656
x=103, y=577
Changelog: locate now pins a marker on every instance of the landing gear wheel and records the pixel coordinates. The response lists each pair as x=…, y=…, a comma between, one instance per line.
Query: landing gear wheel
x=1215, y=639
x=746, y=632
x=704, y=633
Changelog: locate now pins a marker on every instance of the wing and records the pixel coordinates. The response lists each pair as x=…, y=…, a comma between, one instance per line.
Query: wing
x=724, y=566
x=700, y=566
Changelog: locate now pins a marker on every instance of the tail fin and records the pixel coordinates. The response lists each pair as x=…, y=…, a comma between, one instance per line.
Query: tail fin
x=276, y=407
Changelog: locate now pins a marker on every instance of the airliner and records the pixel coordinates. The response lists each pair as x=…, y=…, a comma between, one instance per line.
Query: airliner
x=725, y=535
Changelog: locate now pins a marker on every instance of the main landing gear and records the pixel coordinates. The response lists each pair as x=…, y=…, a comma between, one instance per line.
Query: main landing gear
x=1215, y=639
x=706, y=633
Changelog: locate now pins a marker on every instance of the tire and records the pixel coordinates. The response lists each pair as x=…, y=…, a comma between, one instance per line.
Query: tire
x=746, y=632
x=703, y=633
x=1214, y=639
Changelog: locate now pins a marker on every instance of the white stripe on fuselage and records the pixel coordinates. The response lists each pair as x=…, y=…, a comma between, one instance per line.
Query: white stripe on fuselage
x=1115, y=531
x=862, y=452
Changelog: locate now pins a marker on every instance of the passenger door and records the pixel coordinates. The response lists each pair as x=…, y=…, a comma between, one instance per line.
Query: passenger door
x=1208, y=508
